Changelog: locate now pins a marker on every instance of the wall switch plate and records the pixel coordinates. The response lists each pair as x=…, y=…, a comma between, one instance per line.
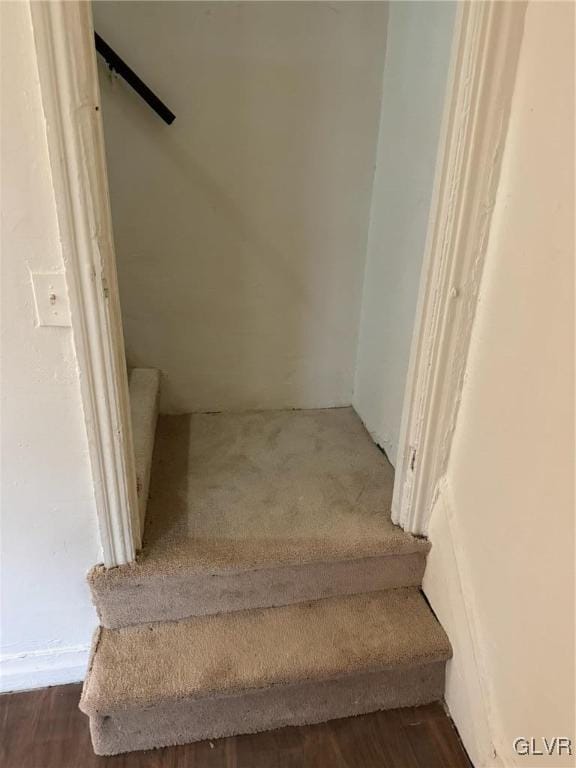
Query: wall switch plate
x=51, y=298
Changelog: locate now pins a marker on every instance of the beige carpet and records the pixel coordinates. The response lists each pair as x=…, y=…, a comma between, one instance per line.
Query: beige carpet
x=215, y=675
x=144, y=399
x=256, y=509
x=186, y=720
x=279, y=487
x=272, y=590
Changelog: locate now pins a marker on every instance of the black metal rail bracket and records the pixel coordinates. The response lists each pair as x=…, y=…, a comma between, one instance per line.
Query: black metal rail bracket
x=119, y=66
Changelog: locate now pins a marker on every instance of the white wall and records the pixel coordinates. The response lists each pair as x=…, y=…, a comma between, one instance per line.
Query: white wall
x=241, y=229
x=417, y=58
x=501, y=570
x=48, y=525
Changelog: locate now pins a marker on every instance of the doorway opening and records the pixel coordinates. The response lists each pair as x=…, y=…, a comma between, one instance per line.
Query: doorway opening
x=269, y=244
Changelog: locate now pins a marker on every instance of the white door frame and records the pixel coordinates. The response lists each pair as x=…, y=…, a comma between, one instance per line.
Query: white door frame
x=479, y=95
x=64, y=40
x=487, y=40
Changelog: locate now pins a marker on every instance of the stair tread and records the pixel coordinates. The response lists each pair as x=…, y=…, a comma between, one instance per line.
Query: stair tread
x=227, y=654
x=233, y=492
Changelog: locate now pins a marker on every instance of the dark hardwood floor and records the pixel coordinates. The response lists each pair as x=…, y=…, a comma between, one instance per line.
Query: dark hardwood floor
x=45, y=729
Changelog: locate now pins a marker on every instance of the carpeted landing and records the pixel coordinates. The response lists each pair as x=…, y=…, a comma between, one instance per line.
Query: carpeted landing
x=260, y=509
x=272, y=588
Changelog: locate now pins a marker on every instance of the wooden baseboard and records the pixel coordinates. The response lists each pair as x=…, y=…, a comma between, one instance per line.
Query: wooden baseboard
x=444, y=585
x=38, y=669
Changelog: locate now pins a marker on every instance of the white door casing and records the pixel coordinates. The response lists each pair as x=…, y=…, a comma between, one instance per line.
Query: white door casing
x=64, y=40
x=481, y=83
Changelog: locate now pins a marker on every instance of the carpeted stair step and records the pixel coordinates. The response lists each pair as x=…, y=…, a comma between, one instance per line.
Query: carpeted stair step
x=142, y=593
x=206, y=677
x=260, y=509
x=144, y=386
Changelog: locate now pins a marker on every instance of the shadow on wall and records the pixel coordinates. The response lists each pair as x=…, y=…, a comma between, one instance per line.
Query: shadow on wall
x=241, y=229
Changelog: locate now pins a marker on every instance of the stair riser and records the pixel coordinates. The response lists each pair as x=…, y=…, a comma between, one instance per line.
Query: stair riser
x=186, y=720
x=142, y=597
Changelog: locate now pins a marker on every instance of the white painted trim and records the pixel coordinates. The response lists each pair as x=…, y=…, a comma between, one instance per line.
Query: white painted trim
x=447, y=586
x=70, y=94
x=38, y=669
x=481, y=83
